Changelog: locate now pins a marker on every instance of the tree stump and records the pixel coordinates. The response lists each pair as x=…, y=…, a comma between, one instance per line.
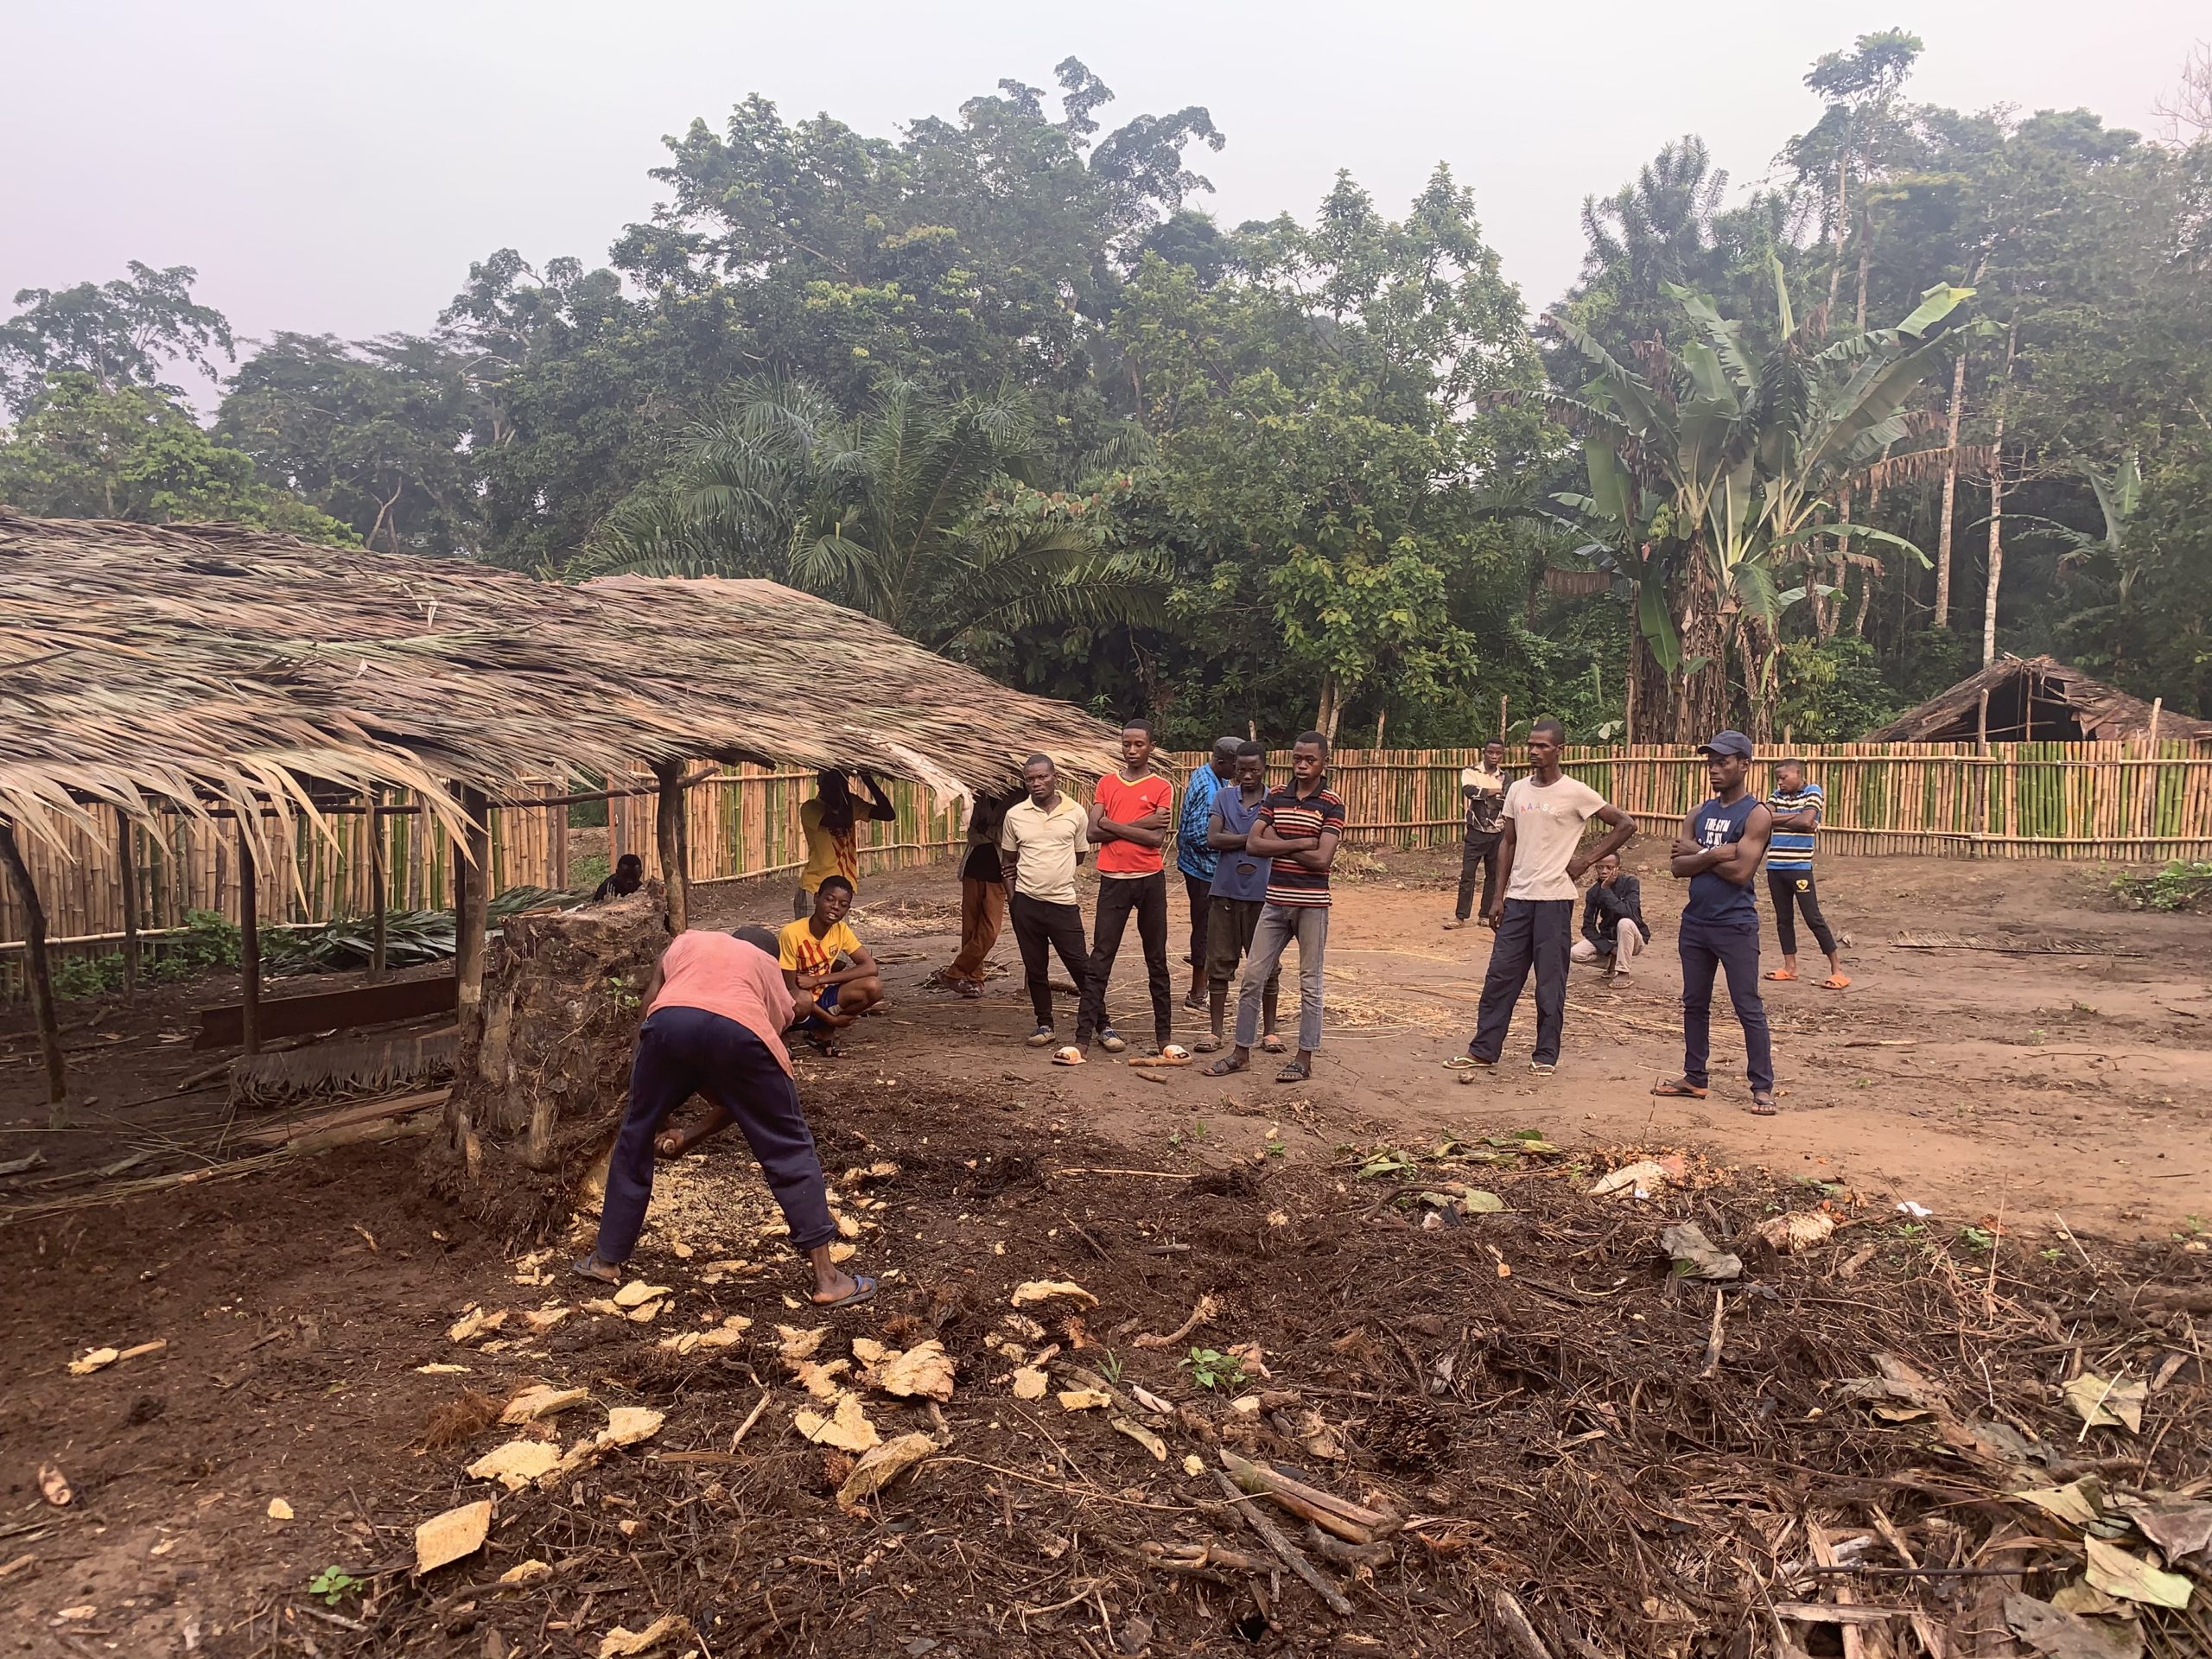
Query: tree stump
x=542, y=1081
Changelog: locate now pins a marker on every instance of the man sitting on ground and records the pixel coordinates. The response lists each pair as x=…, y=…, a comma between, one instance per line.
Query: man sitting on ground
x=628, y=876
x=1613, y=930
x=715, y=1010
x=824, y=961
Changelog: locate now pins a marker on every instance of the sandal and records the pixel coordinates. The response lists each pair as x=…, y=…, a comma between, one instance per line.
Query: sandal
x=1836, y=982
x=1069, y=1056
x=1781, y=974
x=1296, y=1071
x=863, y=1290
x=1679, y=1089
x=1227, y=1065
x=582, y=1266
x=1207, y=1046
x=1273, y=1044
x=1763, y=1104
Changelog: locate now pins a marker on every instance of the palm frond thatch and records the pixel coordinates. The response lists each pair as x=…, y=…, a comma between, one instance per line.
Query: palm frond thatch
x=198, y=667
x=2035, y=699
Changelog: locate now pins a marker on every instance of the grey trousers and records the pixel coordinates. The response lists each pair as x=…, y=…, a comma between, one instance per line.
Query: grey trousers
x=1278, y=925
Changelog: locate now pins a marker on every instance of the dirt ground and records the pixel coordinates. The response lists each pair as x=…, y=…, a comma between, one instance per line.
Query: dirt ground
x=1560, y=1423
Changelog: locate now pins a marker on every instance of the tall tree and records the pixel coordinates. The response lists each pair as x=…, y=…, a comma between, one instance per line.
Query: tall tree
x=124, y=332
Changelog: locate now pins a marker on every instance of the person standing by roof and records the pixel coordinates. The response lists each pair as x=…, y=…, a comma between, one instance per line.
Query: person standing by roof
x=1797, y=805
x=982, y=894
x=717, y=1007
x=829, y=822
x=1040, y=843
x=1195, y=856
x=1299, y=827
x=1130, y=814
x=1534, y=912
x=1718, y=853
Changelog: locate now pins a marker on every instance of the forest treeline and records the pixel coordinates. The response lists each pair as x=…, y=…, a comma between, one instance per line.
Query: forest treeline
x=1793, y=456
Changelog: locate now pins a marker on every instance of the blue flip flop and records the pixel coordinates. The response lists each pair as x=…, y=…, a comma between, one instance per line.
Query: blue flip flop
x=864, y=1289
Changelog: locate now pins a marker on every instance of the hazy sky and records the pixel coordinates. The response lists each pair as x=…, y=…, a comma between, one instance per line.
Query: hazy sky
x=335, y=167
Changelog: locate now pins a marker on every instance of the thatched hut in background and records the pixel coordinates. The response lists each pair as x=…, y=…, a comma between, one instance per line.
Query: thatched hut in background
x=2037, y=700
x=221, y=672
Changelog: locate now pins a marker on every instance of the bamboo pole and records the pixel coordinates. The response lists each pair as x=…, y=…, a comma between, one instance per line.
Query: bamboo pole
x=40, y=972
x=249, y=944
x=379, y=904
x=472, y=883
x=672, y=838
x=128, y=871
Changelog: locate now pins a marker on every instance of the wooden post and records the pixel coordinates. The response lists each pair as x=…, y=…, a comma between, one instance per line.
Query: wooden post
x=248, y=941
x=127, y=869
x=472, y=878
x=1502, y=699
x=40, y=971
x=673, y=843
x=379, y=920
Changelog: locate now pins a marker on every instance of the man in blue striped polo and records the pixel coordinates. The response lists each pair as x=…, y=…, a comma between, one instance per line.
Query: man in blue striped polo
x=1797, y=804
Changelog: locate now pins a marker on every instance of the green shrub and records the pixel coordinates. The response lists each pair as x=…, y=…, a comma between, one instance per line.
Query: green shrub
x=2185, y=884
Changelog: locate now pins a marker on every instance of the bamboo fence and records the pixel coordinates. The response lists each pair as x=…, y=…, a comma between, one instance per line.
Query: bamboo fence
x=2125, y=801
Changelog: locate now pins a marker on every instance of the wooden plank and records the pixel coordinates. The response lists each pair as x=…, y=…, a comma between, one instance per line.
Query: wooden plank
x=365, y=1005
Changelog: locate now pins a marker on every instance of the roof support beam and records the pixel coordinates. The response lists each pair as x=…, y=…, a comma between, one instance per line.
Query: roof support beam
x=671, y=829
x=471, y=885
x=40, y=970
x=249, y=945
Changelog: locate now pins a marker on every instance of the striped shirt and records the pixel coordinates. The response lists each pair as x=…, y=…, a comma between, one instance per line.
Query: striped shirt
x=1297, y=817
x=1792, y=849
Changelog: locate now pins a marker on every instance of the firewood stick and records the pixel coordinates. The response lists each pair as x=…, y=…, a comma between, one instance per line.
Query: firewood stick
x=1292, y=1557
x=1353, y=1523
x=1503, y=1613
x=1713, y=1342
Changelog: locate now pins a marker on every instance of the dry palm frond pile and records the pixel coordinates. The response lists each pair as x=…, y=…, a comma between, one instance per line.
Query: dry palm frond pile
x=183, y=664
x=1449, y=1399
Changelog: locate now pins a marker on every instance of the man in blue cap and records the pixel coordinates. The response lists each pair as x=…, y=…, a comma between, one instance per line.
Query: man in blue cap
x=1718, y=853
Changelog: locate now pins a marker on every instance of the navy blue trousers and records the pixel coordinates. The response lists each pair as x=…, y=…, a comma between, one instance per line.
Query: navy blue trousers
x=687, y=1051
x=1706, y=946
x=1533, y=933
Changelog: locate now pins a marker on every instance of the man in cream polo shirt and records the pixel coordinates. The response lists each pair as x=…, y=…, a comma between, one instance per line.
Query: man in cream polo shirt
x=1041, y=843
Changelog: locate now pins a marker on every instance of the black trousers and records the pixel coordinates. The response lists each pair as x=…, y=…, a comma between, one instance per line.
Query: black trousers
x=1791, y=891
x=1732, y=949
x=687, y=1051
x=1118, y=897
x=1535, y=933
x=1479, y=853
x=1199, y=890
x=1041, y=931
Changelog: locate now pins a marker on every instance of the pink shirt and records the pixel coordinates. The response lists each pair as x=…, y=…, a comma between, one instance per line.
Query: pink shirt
x=723, y=975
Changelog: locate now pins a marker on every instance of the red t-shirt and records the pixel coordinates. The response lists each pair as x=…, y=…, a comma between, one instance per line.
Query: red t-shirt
x=1128, y=803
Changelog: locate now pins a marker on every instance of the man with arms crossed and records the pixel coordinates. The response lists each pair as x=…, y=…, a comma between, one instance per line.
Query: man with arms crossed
x=1534, y=915
x=1130, y=814
x=1195, y=856
x=1797, y=805
x=1718, y=853
x=1298, y=827
x=1238, y=895
x=1039, y=845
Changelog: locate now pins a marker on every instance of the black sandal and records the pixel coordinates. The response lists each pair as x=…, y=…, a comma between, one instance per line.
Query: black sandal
x=1296, y=1071
x=1228, y=1065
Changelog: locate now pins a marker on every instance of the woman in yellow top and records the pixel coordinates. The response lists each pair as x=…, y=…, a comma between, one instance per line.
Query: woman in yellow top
x=811, y=952
x=829, y=822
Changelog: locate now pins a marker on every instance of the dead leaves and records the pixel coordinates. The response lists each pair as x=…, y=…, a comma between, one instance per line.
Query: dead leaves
x=1697, y=1257
x=2108, y=1404
x=2127, y=1577
x=881, y=1464
x=846, y=1428
x=446, y=1538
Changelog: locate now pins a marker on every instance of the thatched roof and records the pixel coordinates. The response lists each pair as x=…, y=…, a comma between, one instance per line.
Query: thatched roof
x=189, y=665
x=2035, y=699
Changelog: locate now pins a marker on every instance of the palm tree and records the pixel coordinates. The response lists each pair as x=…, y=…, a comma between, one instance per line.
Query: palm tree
x=920, y=513
x=1712, y=472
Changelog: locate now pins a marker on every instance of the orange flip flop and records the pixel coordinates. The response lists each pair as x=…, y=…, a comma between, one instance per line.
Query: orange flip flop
x=1836, y=982
x=1782, y=974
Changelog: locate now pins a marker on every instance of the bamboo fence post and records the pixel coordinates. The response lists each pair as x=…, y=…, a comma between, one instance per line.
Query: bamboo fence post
x=670, y=838
x=127, y=869
x=40, y=972
x=379, y=917
x=248, y=941
x=472, y=882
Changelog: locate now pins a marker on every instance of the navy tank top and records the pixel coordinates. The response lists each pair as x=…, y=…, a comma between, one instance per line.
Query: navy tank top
x=1714, y=898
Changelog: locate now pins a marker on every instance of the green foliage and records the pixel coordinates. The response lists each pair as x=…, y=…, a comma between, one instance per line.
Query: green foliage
x=83, y=449
x=334, y=1584
x=1830, y=690
x=119, y=334
x=2183, y=885
x=1211, y=1370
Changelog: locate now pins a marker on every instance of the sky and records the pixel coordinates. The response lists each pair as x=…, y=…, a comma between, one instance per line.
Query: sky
x=334, y=168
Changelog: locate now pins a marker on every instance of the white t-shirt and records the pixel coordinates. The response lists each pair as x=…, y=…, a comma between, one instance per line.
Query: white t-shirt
x=1547, y=829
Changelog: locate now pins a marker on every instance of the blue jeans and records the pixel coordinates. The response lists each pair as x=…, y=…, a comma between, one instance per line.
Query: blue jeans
x=1734, y=949
x=683, y=1052
x=1278, y=925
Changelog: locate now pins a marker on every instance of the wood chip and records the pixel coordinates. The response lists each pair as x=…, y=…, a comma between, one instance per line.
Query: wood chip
x=516, y=1463
x=1038, y=1290
x=446, y=1538
x=846, y=1428
x=541, y=1400
x=881, y=1464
